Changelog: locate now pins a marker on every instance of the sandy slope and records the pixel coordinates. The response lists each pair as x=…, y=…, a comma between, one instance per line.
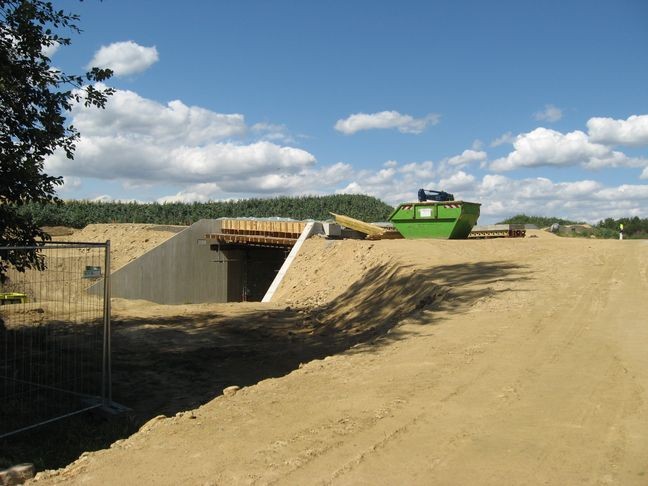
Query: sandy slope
x=128, y=240
x=495, y=362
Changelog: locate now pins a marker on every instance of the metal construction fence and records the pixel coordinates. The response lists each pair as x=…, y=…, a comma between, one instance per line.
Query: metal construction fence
x=54, y=335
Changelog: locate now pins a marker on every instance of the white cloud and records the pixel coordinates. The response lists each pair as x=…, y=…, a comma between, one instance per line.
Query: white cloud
x=584, y=200
x=550, y=113
x=307, y=181
x=127, y=157
x=385, y=120
x=624, y=192
x=70, y=183
x=631, y=132
x=546, y=147
x=507, y=137
x=273, y=132
x=467, y=157
x=189, y=196
x=125, y=58
x=457, y=181
x=137, y=140
x=51, y=49
x=396, y=182
x=501, y=196
x=203, y=156
x=103, y=198
x=130, y=115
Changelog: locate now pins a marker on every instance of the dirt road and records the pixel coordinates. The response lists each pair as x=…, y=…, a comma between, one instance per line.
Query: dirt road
x=494, y=362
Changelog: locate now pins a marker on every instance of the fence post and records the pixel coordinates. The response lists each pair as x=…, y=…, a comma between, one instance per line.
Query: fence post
x=106, y=394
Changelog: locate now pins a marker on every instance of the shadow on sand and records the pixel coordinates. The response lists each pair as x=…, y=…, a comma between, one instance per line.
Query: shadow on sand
x=168, y=364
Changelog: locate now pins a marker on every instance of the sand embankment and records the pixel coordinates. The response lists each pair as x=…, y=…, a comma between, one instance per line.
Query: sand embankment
x=480, y=362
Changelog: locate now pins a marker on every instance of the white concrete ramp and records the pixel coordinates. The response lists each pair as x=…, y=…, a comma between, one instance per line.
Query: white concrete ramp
x=286, y=265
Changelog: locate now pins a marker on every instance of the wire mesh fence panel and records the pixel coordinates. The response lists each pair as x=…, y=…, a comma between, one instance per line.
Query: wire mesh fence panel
x=53, y=335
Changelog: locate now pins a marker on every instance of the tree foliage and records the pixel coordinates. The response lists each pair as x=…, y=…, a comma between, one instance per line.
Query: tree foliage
x=78, y=214
x=632, y=227
x=608, y=228
x=539, y=221
x=33, y=100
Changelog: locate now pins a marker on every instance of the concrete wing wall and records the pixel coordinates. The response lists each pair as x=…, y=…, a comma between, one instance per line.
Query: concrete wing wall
x=179, y=271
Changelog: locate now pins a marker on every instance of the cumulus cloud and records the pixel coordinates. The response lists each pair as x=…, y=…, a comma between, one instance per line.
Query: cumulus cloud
x=546, y=147
x=396, y=182
x=467, y=157
x=550, y=113
x=128, y=157
x=507, y=137
x=104, y=198
x=70, y=183
x=631, y=132
x=125, y=58
x=50, y=49
x=502, y=196
x=130, y=115
x=385, y=120
x=306, y=181
x=273, y=132
x=581, y=200
x=457, y=181
x=138, y=140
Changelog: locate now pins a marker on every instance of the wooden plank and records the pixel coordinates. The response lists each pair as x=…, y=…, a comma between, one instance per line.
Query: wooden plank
x=356, y=224
x=246, y=239
x=269, y=228
x=387, y=235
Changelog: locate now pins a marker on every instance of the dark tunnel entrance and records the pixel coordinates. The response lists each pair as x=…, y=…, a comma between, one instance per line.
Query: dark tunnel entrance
x=249, y=270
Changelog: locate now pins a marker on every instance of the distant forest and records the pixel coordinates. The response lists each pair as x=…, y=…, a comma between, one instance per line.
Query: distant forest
x=608, y=228
x=539, y=221
x=77, y=214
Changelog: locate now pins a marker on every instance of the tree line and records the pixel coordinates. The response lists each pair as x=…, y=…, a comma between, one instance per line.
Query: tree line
x=634, y=227
x=77, y=214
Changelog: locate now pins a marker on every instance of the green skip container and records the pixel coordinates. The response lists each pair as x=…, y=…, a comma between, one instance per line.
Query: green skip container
x=434, y=219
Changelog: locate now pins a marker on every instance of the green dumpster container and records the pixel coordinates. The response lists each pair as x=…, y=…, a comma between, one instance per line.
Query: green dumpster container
x=434, y=219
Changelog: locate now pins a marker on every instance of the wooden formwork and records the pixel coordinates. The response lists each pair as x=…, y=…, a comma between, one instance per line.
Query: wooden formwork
x=260, y=232
x=277, y=229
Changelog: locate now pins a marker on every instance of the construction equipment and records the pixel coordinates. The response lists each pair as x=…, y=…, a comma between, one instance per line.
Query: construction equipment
x=435, y=215
x=429, y=195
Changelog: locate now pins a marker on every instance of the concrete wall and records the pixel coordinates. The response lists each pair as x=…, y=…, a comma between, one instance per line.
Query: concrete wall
x=178, y=271
x=185, y=269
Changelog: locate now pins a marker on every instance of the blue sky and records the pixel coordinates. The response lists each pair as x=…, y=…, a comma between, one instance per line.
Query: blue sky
x=536, y=107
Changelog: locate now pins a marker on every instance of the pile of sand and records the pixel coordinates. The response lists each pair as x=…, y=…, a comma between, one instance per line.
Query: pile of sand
x=127, y=241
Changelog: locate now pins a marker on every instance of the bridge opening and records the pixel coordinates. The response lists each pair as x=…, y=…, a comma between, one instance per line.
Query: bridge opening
x=249, y=270
x=252, y=253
